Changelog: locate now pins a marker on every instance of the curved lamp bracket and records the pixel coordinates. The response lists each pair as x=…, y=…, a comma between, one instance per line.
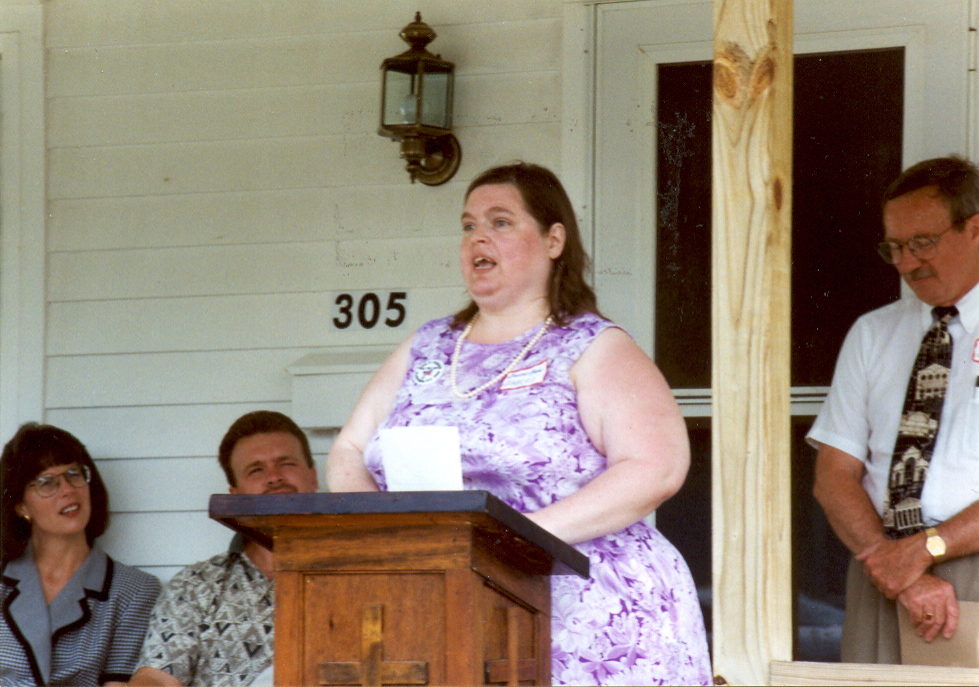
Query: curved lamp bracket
x=432, y=161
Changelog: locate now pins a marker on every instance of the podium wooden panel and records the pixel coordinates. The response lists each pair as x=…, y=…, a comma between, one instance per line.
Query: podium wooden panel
x=436, y=588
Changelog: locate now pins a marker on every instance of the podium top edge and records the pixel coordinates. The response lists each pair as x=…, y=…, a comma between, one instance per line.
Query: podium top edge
x=226, y=508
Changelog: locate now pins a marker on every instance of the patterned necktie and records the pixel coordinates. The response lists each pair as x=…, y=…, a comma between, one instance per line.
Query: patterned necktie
x=919, y=427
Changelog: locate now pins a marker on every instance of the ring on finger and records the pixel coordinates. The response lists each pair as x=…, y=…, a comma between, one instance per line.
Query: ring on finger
x=928, y=615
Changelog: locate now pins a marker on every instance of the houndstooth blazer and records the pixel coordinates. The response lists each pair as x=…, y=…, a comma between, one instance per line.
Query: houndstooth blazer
x=92, y=631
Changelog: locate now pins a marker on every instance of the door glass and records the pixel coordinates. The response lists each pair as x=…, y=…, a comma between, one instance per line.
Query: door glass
x=846, y=148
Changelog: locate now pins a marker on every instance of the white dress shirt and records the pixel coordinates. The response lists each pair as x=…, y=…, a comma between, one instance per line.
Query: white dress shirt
x=861, y=413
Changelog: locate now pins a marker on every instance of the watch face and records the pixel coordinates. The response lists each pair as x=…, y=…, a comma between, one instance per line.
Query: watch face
x=935, y=545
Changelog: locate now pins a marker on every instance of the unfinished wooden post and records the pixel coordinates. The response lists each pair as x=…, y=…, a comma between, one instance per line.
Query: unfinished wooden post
x=752, y=191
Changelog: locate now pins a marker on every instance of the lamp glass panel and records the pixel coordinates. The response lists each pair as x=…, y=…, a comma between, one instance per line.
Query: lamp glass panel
x=400, y=98
x=435, y=105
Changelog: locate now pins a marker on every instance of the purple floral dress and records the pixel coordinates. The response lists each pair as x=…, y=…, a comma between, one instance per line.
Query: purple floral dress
x=637, y=619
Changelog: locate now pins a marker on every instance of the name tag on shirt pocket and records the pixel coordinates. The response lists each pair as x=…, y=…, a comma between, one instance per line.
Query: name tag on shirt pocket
x=529, y=376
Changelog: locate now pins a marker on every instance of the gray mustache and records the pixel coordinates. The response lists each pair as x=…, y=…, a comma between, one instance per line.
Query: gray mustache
x=919, y=273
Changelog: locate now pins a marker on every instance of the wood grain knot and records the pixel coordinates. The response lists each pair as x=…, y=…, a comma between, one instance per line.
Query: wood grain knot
x=726, y=81
x=731, y=68
x=737, y=77
x=762, y=74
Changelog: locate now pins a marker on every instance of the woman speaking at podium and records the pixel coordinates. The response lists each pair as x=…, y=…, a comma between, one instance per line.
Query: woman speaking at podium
x=561, y=416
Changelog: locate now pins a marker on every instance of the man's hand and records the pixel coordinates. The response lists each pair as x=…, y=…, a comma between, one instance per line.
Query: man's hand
x=893, y=565
x=933, y=607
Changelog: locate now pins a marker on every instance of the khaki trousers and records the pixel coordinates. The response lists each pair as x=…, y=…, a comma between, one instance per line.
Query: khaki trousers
x=870, y=632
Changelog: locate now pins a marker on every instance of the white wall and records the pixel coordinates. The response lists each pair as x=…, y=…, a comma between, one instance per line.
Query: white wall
x=214, y=178
x=22, y=213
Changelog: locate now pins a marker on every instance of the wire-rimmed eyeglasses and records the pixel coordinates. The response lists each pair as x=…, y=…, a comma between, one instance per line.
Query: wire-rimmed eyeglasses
x=921, y=247
x=77, y=476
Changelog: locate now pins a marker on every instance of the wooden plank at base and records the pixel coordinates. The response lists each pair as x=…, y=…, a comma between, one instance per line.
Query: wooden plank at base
x=391, y=673
x=804, y=673
x=498, y=671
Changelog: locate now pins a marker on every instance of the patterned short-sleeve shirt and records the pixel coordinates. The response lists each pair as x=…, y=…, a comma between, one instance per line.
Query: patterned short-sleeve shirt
x=213, y=623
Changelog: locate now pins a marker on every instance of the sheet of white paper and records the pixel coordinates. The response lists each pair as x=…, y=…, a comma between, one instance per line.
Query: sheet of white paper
x=421, y=458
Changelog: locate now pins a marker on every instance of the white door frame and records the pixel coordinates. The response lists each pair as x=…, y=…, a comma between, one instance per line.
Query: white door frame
x=22, y=203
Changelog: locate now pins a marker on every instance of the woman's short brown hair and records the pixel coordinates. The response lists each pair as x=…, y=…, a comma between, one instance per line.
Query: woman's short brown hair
x=31, y=451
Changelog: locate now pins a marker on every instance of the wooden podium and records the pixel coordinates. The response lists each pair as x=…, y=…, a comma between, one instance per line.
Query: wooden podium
x=406, y=588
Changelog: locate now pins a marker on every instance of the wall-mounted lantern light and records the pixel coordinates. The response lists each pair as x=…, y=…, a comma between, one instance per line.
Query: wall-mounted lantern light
x=416, y=107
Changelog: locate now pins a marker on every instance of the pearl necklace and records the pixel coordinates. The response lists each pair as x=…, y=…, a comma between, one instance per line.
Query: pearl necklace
x=499, y=377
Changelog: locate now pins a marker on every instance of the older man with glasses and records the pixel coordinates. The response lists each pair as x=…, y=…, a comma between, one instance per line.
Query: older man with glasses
x=897, y=469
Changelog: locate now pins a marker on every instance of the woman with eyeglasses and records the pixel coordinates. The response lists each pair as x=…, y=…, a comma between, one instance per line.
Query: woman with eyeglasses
x=69, y=614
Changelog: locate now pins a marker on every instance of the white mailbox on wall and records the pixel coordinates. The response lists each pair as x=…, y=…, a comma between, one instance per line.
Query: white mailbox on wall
x=327, y=384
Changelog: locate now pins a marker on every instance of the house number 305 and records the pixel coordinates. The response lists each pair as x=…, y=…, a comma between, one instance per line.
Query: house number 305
x=368, y=309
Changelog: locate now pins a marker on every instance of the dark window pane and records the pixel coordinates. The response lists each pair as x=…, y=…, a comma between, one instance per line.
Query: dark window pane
x=683, y=224
x=846, y=149
x=819, y=561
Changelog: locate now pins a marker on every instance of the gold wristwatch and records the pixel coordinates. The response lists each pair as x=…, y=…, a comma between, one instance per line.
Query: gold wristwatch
x=935, y=544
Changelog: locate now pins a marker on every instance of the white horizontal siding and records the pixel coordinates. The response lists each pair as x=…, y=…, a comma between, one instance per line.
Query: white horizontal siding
x=164, y=539
x=248, y=217
x=180, y=484
x=167, y=431
x=160, y=508
x=161, y=325
x=198, y=377
x=172, y=21
x=193, y=167
x=492, y=99
x=512, y=47
x=246, y=63
x=273, y=163
x=254, y=269
x=267, y=61
x=147, y=22
x=257, y=113
x=161, y=431
x=239, y=114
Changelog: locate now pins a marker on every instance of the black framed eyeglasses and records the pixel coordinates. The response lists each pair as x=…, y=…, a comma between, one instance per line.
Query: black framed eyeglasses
x=77, y=476
x=921, y=247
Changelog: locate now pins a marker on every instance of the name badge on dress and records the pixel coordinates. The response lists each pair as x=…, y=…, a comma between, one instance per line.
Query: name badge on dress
x=427, y=371
x=529, y=376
